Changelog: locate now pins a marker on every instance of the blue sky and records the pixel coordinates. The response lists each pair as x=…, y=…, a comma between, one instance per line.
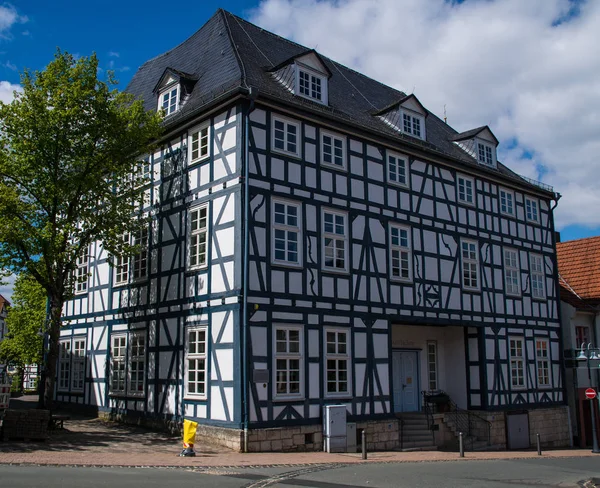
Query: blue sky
x=528, y=69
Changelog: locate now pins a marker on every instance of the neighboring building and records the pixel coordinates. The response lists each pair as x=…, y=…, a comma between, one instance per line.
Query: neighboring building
x=579, y=268
x=317, y=238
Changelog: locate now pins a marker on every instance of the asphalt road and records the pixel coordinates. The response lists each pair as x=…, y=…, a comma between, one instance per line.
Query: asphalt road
x=489, y=474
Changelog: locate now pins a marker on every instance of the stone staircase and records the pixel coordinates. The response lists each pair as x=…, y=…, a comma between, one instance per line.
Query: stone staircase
x=415, y=434
x=470, y=442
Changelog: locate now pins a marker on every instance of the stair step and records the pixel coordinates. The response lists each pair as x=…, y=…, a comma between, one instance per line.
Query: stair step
x=418, y=445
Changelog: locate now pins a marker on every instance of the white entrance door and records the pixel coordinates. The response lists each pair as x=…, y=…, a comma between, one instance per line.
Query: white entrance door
x=405, y=381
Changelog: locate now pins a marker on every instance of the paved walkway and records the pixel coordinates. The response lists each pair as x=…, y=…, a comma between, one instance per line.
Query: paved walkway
x=92, y=442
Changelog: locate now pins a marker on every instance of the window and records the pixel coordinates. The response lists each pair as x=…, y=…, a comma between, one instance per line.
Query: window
x=78, y=365
x=169, y=100
x=511, y=272
x=118, y=357
x=64, y=365
x=334, y=240
x=432, y=365
x=285, y=136
x=337, y=361
x=195, y=372
x=465, y=190
x=199, y=144
x=286, y=232
x=582, y=336
x=122, y=264
x=128, y=363
x=507, y=202
x=542, y=362
x=142, y=174
x=310, y=85
x=537, y=276
x=137, y=363
x=81, y=282
x=531, y=210
x=470, y=264
x=397, y=169
x=400, y=253
x=333, y=150
x=140, y=260
x=412, y=124
x=485, y=154
x=288, y=361
x=198, y=236
x=517, y=363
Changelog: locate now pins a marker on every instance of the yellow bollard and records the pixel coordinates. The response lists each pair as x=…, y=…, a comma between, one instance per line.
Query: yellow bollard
x=189, y=437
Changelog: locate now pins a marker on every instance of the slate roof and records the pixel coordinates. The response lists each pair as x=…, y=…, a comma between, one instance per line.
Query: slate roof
x=579, y=268
x=469, y=134
x=3, y=302
x=228, y=54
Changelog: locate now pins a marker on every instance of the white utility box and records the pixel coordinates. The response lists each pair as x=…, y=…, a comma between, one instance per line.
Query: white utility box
x=334, y=428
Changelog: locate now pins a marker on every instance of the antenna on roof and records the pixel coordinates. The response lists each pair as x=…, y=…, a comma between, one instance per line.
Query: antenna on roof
x=445, y=118
x=413, y=90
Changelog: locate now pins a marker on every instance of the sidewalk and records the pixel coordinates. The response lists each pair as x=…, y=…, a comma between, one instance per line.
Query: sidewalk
x=91, y=442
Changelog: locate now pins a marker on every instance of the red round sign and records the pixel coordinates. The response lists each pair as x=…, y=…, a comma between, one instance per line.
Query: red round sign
x=590, y=393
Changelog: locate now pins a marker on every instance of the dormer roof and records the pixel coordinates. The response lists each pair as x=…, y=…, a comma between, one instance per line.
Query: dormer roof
x=171, y=75
x=310, y=58
x=483, y=132
x=407, y=101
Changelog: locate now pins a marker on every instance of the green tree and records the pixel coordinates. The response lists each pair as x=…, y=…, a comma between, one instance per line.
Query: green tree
x=26, y=318
x=70, y=147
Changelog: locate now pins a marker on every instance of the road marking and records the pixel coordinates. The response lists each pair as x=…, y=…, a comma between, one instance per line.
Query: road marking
x=289, y=475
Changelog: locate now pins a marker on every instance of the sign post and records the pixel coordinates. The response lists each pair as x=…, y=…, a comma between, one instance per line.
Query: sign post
x=590, y=394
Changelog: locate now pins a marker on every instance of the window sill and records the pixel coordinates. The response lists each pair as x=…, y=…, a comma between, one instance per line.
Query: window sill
x=286, y=153
x=199, y=160
x=283, y=264
x=288, y=398
x=405, y=281
x=397, y=184
x=341, y=169
x=188, y=398
x=336, y=271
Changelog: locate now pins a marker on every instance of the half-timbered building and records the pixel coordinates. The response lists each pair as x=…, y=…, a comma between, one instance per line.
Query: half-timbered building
x=317, y=238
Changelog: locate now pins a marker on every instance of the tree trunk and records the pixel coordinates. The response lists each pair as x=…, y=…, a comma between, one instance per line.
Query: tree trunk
x=56, y=306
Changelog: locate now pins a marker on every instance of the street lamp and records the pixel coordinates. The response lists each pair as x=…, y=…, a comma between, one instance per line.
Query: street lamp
x=588, y=355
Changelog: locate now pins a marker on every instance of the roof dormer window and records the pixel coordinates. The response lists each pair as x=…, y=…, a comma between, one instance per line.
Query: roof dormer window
x=412, y=124
x=168, y=100
x=485, y=154
x=406, y=116
x=309, y=85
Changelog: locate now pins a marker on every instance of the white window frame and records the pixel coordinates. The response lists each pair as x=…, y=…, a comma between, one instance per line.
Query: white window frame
x=197, y=356
x=536, y=268
x=506, y=195
x=411, y=127
x=512, y=271
x=313, y=76
x=542, y=363
x=531, y=203
x=200, y=136
x=121, y=360
x=336, y=238
x=195, y=240
x=78, y=364
x=169, y=92
x=401, y=249
x=488, y=150
x=82, y=272
x=463, y=180
x=337, y=356
x=288, y=356
x=140, y=260
x=518, y=361
x=471, y=263
x=64, y=365
x=122, y=264
x=432, y=345
x=136, y=339
x=286, y=124
x=334, y=138
x=393, y=177
x=287, y=229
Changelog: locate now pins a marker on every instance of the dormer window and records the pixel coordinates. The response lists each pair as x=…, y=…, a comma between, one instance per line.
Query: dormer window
x=309, y=85
x=406, y=116
x=411, y=124
x=485, y=154
x=169, y=100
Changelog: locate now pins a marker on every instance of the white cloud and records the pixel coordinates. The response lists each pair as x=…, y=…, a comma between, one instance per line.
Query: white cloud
x=529, y=69
x=6, y=289
x=9, y=17
x=113, y=54
x=7, y=90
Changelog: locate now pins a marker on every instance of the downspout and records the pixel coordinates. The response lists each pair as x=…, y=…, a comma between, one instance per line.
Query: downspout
x=252, y=94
